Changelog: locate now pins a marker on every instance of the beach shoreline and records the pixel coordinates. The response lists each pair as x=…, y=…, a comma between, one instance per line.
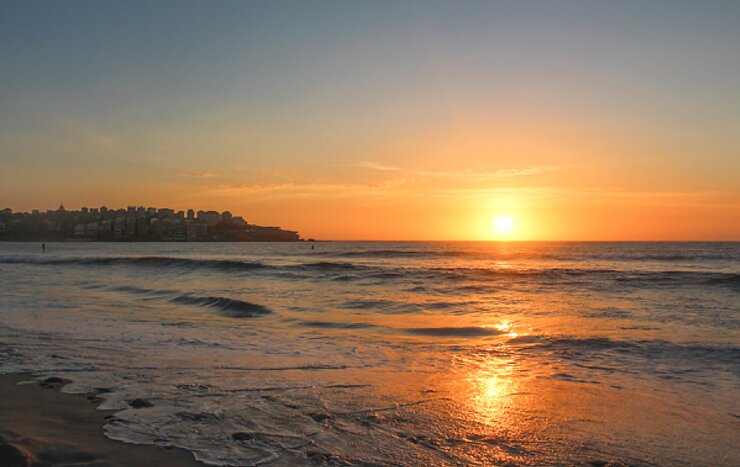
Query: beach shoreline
x=42, y=426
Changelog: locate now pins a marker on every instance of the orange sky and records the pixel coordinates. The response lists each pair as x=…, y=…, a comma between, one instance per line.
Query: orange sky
x=384, y=122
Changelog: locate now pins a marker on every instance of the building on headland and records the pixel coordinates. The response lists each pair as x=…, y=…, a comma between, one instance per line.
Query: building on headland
x=142, y=227
x=212, y=217
x=191, y=231
x=119, y=226
x=130, y=221
x=135, y=223
x=92, y=230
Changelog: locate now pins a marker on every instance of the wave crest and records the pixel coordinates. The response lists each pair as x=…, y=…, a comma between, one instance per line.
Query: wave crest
x=227, y=306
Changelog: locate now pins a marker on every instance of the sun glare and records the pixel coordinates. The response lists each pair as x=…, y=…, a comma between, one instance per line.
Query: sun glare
x=503, y=225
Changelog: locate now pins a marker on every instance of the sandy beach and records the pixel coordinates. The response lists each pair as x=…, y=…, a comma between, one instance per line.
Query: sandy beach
x=41, y=426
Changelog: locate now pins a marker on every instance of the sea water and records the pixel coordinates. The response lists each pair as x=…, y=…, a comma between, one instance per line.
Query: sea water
x=391, y=353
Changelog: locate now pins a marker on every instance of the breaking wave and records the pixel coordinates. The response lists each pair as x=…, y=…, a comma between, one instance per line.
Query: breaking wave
x=348, y=271
x=148, y=261
x=510, y=255
x=227, y=306
x=656, y=350
x=334, y=325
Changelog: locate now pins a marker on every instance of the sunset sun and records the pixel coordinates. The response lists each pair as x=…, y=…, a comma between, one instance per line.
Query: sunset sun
x=503, y=225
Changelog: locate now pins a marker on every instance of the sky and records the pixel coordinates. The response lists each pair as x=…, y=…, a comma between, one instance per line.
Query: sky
x=381, y=120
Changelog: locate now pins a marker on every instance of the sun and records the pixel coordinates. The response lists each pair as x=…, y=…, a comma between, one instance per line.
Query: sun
x=503, y=224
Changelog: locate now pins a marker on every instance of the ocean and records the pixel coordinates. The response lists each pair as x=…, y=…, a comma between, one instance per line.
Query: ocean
x=408, y=353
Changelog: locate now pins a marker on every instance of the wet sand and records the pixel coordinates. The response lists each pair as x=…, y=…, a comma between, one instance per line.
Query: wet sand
x=40, y=426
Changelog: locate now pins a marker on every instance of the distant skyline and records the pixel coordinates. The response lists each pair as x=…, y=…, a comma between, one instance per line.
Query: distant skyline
x=579, y=120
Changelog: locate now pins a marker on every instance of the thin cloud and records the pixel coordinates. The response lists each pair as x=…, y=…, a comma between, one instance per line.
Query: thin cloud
x=475, y=175
x=523, y=172
x=249, y=187
x=197, y=174
x=371, y=165
x=304, y=190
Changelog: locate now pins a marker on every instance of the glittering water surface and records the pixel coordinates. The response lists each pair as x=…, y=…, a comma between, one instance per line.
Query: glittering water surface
x=392, y=353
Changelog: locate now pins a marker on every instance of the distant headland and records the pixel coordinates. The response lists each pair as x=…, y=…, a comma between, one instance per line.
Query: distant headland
x=135, y=224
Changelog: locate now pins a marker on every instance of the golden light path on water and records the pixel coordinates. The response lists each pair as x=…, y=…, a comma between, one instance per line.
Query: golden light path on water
x=493, y=384
x=493, y=387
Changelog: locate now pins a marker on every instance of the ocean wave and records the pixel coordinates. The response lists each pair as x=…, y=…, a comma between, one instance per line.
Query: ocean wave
x=151, y=261
x=448, y=331
x=372, y=303
x=334, y=325
x=384, y=275
x=665, y=257
x=182, y=341
x=467, y=331
x=225, y=265
x=141, y=290
x=326, y=266
x=731, y=280
x=486, y=274
x=639, y=257
x=532, y=255
x=617, y=276
x=380, y=253
x=348, y=271
x=679, y=278
x=575, y=348
x=383, y=306
x=390, y=253
x=227, y=306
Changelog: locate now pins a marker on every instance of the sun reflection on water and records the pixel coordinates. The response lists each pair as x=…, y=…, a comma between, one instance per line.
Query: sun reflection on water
x=506, y=328
x=491, y=387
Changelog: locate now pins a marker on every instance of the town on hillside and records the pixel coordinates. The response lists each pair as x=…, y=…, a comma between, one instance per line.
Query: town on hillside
x=136, y=223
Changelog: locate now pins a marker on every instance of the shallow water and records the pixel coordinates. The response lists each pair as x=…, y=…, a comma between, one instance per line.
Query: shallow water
x=392, y=353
